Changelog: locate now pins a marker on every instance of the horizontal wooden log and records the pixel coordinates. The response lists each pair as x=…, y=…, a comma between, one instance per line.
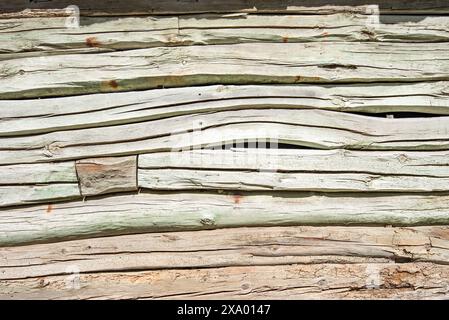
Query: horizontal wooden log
x=318, y=281
x=21, y=195
x=253, y=63
x=295, y=170
x=22, y=37
x=62, y=172
x=179, y=179
x=430, y=164
x=158, y=212
x=107, y=175
x=311, y=128
x=34, y=183
x=132, y=7
x=230, y=247
x=27, y=117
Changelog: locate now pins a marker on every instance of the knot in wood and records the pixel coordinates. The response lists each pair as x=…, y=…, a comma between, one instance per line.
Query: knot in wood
x=207, y=221
x=51, y=149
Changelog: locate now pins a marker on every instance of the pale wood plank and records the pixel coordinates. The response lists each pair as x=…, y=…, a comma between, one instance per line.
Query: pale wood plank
x=230, y=247
x=21, y=37
x=239, y=64
x=317, y=281
x=158, y=212
x=295, y=170
x=37, y=173
x=432, y=164
x=37, y=183
x=24, y=117
x=311, y=128
x=179, y=179
x=22, y=195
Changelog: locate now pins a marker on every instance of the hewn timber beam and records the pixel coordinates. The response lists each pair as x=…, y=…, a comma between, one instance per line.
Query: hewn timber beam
x=38, y=36
x=320, y=129
x=157, y=212
x=28, y=117
x=133, y=7
x=249, y=63
x=296, y=281
x=230, y=247
x=37, y=183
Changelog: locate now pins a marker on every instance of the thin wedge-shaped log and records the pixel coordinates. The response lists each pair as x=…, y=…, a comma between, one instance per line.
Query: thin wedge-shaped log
x=230, y=247
x=34, y=183
x=431, y=164
x=179, y=179
x=51, y=35
x=158, y=212
x=311, y=128
x=130, y=7
x=297, y=281
x=284, y=63
x=25, y=117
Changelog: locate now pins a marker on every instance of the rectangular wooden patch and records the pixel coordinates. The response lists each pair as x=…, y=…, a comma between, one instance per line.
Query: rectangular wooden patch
x=107, y=175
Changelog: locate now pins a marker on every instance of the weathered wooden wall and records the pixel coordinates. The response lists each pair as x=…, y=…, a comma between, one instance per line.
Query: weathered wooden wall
x=128, y=166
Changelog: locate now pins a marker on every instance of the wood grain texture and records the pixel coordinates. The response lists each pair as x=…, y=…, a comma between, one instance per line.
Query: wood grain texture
x=320, y=129
x=184, y=179
x=26, y=117
x=37, y=183
x=133, y=7
x=230, y=247
x=37, y=36
x=62, y=172
x=318, y=281
x=107, y=175
x=158, y=212
x=249, y=63
x=431, y=164
x=128, y=159
x=295, y=170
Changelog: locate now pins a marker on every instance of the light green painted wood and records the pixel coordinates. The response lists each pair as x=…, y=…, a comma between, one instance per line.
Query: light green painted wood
x=26, y=194
x=153, y=212
x=24, y=117
x=37, y=183
x=320, y=129
x=254, y=63
x=430, y=164
x=36, y=173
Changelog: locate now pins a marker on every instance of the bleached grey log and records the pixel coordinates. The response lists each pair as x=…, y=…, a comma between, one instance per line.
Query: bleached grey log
x=230, y=247
x=296, y=281
x=62, y=172
x=107, y=175
x=316, y=62
x=37, y=183
x=90, y=7
x=22, y=195
x=157, y=212
x=311, y=128
x=179, y=179
x=24, y=117
x=430, y=164
x=20, y=37
x=295, y=170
